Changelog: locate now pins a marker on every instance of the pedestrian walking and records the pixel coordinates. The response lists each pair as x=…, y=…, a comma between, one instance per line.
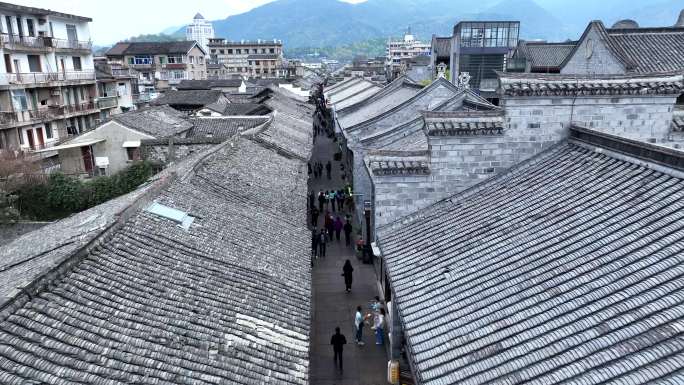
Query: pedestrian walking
x=347, y=273
x=321, y=201
x=321, y=243
x=338, y=341
x=314, y=216
x=347, y=233
x=330, y=228
x=358, y=323
x=312, y=200
x=331, y=198
x=328, y=168
x=340, y=200
x=314, y=242
x=378, y=326
x=338, y=227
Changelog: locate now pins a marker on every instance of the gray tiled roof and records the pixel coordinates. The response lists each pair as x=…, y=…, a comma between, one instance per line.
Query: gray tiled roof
x=245, y=109
x=208, y=84
x=154, y=303
x=389, y=97
x=566, y=269
x=189, y=97
x=651, y=49
x=532, y=84
x=544, y=55
x=158, y=121
x=223, y=127
x=150, y=48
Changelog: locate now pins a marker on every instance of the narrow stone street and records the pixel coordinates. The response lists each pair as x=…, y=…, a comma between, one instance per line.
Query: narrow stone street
x=333, y=306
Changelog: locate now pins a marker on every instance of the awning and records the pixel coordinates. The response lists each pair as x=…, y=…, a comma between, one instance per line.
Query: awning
x=82, y=143
x=131, y=143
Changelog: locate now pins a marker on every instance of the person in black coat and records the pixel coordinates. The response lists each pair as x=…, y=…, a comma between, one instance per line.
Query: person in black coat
x=328, y=168
x=347, y=273
x=314, y=242
x=347, y=233
x=338, y=341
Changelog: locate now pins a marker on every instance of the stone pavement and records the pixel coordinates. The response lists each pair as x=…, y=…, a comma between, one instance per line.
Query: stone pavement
x=333, y=306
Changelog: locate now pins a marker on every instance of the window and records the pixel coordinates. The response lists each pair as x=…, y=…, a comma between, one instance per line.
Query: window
x=162, y=60
x=19, y=100
x=133, y=153
x=200, y=59
x=30, y=28
x=230, y=51
x=213, y=51
x=192, y=59
x=34, y=63
x=80, y=91
x=263, y=50
x=142, y=59
x=77, y=63
x=254, y=50
x=48, y=130
x=177, y=75
x=8, y=20
x=8, y=63
x=222, y=51
x=175, y=59
x=238, y=51
x=271, y=50
x=20, y=26
x=71, y=32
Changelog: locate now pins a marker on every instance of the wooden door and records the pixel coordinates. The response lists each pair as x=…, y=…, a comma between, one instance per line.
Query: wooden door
x=39, y=134
x=31, y=141
x=87, y=153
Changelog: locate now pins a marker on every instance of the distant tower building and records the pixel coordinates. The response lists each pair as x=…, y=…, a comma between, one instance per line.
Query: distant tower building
x=200, y=30
x=403, y=49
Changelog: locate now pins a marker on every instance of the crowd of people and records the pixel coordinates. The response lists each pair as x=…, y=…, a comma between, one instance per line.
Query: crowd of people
x=336, y=207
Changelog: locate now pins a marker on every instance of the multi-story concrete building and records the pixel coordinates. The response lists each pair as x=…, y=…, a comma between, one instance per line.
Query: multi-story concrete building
x=261, y=58
x=160, y=64
x=47, y=79
x=116, y=88
x=400, y=49
x=200, y=31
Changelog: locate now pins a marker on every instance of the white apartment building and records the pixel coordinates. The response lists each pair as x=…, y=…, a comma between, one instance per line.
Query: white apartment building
x=47, y=79
x=258, y=59
x=402, y=49
x=200, y=31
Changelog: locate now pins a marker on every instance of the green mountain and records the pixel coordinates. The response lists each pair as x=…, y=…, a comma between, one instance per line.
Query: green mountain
x=306, y=25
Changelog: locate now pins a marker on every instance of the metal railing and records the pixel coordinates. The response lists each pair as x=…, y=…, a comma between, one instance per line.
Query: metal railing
x=124, y=72
x=10, y=117
x=71, y=44
x=73, y=108
x=107, y=102
x=13, y=41
x=45, y=77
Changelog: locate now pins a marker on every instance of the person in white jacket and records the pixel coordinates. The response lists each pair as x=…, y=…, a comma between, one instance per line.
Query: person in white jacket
x=378, y=326
x=358, y=323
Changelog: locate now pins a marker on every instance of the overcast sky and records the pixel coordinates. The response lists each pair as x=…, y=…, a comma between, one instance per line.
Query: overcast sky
x=117, y=20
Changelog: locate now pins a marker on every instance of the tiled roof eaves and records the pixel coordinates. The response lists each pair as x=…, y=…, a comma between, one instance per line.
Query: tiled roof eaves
x=423, y=91
x=544, y=167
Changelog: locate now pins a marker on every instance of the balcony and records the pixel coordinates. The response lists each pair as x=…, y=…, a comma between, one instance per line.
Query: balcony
x=124, y=73
x=71, y=44
x=175, y=66
x=37, y=78
x=72, y=109
x=19, y=118
x=107, y=102
x=16, y=42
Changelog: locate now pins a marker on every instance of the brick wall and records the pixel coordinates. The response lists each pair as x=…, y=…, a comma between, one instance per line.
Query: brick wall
x=601, y=60
x=637, y=117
